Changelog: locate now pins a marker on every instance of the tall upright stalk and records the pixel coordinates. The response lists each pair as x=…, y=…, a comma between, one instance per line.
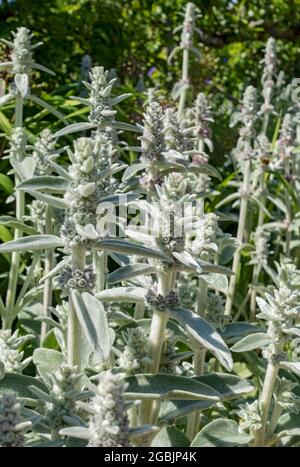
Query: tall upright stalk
x=49, y=263
x=74, y=329
x=20, y=210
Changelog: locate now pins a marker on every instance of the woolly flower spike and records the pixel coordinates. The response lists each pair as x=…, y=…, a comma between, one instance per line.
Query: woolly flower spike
x=108, y=425
x=61, y=401
x=285, y=397
x=134, y=357
x=101, y=113
x=202, y=242
x=203, y=117
x=269, y=61
x=90, y=182
x=215, y=311
x=249, y=111
x=285, y=147
x=174, y=138
x=188, y=26
x=44, y=152
x=11, y=427
x=153, y=144
x=251, y=417
x=21, y=53
x=281, y=310
x=17, y=143
x=260, y=255
x=10, y=354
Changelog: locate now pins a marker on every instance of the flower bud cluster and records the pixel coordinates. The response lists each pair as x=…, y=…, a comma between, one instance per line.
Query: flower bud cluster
x=168, y=362
x=44, y=152
x=17, y=143
x=173, y=132
x=202, y=242
x=161, y=302
x=285, y=143
x=21, y=53
x=11, y=426
x=188, y=26
x=153, y=141
x=10, y=351
x=76, y=279
x=134, y=356
x=251, y=417
x=215, y=312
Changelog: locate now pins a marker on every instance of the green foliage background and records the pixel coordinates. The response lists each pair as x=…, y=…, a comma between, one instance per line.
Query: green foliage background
x=134, y=37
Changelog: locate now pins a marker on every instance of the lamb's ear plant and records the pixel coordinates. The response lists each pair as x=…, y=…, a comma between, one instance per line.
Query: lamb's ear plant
x=245, y=154
x=126, y=270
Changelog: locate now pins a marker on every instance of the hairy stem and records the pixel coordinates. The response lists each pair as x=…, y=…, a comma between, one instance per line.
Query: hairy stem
x=184, y=80
x=265, y=400
x=74, y=330
x=240, y=237
x=20, y=209
x=49, y=263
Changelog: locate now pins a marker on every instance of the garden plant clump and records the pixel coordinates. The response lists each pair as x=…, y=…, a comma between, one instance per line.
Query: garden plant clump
x=151, y=297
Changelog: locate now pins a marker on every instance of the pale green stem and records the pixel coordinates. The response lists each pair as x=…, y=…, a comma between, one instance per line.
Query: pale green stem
x=74, y=330
x=139, y=310
x=265, y=400
x=184, y=79
x=256, y=272
x=49, y=263
x=20, y=209
x=100, y=267
x=240, y=237
x=199, y=359
x=274, y=418
x=156, y=341
x=288, y=234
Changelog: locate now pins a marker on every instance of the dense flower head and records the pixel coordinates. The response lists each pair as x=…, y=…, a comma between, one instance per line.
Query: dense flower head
x=44, y=152
x=188, y=26
x=173, y=132
x=108, y=426
x=134, y=357
x=101, y=113
x=11, y=433
x=17, y=143
x=153, y=141
x=11, y=354
x=21, y=53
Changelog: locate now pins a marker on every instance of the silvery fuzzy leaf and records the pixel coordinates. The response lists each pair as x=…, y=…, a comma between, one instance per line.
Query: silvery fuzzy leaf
x=22, y=83
x=187, y=260
x=60, y=170
x=293, y=331
x=2, y=370
x=76, y=432
x=266, y=310
x=5, y=64
x=170, y=436
x=221, y=432
x=204, y=334
x=14, y=223
x=121, y=98
x=37, y=66
x=141, y=237
x=174, y=52
x=205, y=169
x=130, y=271
x=73, y=128
x=228, y=386
x=92, y=318
x=294, y=367
x=228, y=199
x=178, y=89
x=58, y=203
x=87, y=231
x=214, y=268
x=32, y=243
x=143, y=430
x=87, y=165
x=164, y=386
x=6, y=98
x=123, y=294
x=99, y=320
x=48, y=107
x=126, y=126
x=251, y=342
x=122, y=246
x=235, y=118
x=108, y=113
x=19, y=384
x=218, y=282
x=209, y=144
x=25, y=168
x=87, y=189
x=47, y=362
x=50, y=183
